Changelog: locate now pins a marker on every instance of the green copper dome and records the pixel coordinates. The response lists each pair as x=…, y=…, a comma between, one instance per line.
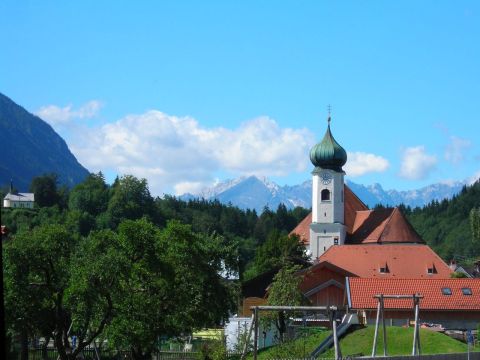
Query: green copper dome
x=328, y=154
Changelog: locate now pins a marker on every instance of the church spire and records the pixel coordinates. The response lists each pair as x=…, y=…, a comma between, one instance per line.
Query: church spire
x=328, y=154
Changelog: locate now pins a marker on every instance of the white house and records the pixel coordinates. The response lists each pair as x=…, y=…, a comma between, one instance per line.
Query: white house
x=18, y=200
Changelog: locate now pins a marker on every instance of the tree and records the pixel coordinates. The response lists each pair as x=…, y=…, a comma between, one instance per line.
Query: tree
x=475, y=224
x=174, y=285
x=90, y=196
x=45, y=189
x=285, y=291
x=130, y=199
x=54, y=283
x=278, y=249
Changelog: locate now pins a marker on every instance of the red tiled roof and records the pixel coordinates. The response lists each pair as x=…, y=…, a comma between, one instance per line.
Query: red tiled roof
x=362, y=292
x=352, y=205
x=403, y=261
x=382, y=226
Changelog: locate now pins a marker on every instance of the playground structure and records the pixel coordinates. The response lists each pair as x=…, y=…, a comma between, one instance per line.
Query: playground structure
x=416, y=349
x=330, y=311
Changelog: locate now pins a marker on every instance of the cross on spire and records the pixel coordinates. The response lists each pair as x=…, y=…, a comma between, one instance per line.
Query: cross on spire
x=329, y=109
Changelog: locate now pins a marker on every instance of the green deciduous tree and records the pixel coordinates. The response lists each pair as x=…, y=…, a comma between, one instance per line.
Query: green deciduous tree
x=285, y=291
x=90, y=196
x=55, y=282
x=130, y=199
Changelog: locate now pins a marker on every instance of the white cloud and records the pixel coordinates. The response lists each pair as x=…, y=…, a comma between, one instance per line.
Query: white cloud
x=61, y=115
x=416, y=163
x=454, y=150
x=178, y=153
x=360, y=163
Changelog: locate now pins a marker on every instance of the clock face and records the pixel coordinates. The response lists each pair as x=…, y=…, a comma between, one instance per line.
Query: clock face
x=326, y=178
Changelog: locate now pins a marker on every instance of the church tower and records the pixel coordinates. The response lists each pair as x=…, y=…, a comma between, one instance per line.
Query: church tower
x=328, y=200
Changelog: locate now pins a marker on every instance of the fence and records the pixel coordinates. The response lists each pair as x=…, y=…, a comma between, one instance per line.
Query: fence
x=89, y=354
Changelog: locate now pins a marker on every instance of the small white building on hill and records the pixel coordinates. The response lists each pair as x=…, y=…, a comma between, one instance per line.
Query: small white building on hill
x=18, y=200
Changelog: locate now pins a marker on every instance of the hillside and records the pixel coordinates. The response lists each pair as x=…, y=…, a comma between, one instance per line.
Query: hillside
x=445, y=225
x=30, y=147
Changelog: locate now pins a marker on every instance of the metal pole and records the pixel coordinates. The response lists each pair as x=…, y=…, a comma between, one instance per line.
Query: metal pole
x=375, y=336
x=417, y=323
x=255, y=334
x=384, y=328
x=338, y=352
x=415, y=330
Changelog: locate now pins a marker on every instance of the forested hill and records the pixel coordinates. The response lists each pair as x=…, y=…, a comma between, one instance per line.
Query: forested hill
x=30, y=147
x=447, y=225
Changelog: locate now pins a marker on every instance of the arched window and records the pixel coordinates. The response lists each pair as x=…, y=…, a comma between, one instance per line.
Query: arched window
x=325, y=195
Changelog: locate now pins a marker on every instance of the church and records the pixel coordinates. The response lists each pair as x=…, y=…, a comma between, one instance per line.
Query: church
x=346, y=239
x=359, y=253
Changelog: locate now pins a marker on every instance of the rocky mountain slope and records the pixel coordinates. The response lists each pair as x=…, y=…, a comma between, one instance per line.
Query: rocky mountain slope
x=30, y=147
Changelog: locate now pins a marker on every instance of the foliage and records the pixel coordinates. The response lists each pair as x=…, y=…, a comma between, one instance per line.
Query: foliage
x=45, y=190
x=284, y=291
x=130, y=199
x=458, y=275
x=54, y=281
x=475, y=224
x=90, y=196
x=277, y=250
x=447, y=225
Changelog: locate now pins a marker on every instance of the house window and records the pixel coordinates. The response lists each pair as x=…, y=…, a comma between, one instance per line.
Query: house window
x=446, y=291
x=383, y=269
x=325, y=195
x=335, y=241
x=466, y=291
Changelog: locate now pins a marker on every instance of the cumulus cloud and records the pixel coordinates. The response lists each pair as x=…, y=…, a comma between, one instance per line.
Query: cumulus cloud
x=416, y=163
x=360, y=163
x=55, y=115
x=178, y=153
x=455, y=149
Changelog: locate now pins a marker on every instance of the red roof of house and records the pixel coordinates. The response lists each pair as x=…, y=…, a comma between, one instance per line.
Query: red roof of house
x=352, y=205
x=400, y=261
x=361, y=293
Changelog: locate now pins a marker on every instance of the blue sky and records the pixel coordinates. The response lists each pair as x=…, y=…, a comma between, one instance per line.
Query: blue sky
x=186, y=93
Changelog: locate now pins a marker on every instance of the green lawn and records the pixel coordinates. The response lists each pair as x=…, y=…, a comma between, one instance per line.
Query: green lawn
x=361, y=341
x=399, y=341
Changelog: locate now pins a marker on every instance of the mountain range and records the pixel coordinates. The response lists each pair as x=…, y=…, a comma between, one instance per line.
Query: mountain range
x=30, y=147
x=252, y=192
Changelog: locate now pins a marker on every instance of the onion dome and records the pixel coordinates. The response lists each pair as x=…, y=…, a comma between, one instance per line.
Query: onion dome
x=328, y=154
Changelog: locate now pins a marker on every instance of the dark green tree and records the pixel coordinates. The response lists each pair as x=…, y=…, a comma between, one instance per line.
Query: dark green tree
x=90, y=196
x=45, y=189
x=130, y=199
x=55, y=282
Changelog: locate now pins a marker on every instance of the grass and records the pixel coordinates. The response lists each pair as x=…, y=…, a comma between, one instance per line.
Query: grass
x=360, y=342
x=301, y=347
x=399, y=341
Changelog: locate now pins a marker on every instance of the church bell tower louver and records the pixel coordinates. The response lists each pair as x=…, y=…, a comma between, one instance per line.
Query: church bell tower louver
x=328, y=199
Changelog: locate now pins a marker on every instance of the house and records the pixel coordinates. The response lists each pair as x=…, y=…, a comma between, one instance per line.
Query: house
x=453, y=303
x=324, y=282
x=18, y=200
